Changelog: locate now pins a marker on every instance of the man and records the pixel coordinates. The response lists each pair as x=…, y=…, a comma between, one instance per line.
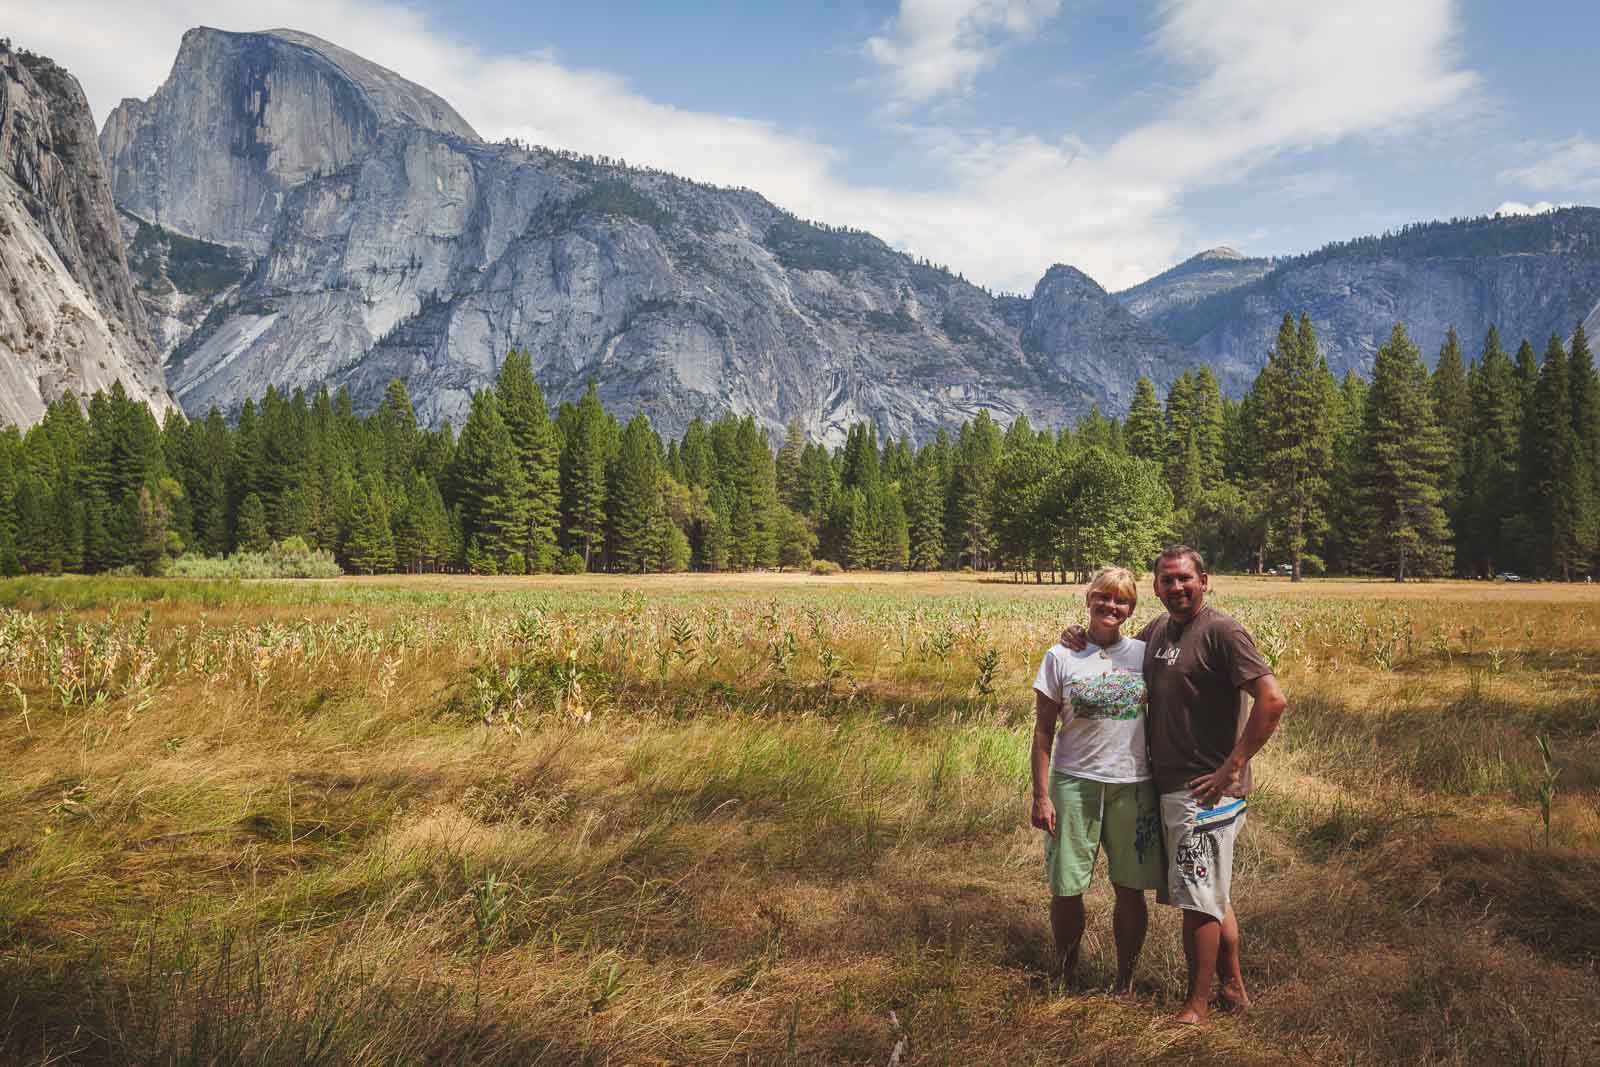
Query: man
x=1199, y=667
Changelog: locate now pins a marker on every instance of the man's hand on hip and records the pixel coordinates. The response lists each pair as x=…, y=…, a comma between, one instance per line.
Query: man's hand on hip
x=1209, y=789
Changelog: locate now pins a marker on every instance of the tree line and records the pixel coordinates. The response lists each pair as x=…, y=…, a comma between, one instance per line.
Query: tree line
x=1471, y=468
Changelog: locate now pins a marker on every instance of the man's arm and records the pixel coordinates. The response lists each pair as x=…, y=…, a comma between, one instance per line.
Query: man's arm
x=1045, y=713
x=1265, y=712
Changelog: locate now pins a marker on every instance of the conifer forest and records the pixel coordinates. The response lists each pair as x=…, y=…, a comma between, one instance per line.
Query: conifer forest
x=1487, y=464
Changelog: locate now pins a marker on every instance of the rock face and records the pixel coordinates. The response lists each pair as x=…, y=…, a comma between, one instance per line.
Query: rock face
x=1212, y=271
x=69, y=318
x=1532, y=276
x=387, y=240
x=1095, y=337
x=179, y=279
x=245, y=118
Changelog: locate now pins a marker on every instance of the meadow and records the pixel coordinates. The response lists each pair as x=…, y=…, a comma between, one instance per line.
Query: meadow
x=756, y=819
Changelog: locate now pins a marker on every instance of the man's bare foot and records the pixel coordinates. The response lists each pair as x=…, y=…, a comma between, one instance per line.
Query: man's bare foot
x=1123, y=989
x=1234, y=998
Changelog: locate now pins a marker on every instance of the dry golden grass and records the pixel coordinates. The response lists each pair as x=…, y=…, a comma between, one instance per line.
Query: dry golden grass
x=754, y=819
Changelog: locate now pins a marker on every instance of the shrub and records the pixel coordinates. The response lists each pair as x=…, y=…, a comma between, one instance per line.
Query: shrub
x=293, y=545
x=825, y=567
x=290, y=558
x=571, y=563
x=514, y=563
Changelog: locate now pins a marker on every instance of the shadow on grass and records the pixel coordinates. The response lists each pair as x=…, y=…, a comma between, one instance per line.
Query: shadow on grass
x=187, y=1002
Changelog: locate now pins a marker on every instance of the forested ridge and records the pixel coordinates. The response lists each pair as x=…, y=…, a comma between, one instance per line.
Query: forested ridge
x=1569, y=231
x=1486, y=464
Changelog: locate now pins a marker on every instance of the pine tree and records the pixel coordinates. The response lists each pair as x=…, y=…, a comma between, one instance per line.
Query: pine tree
x=796, y=542
x=369, y=547
x=1182, y=460
x=1297, y=403
x=1586, y=424
x=252, y=534
x=635, y=498
x=1345, y=544
x=584, y=458
x=1554, y=476
x=924, y=498
x=756, y=500
x=1527, y=371
x=977, y=452
x=1490, y=498
x=397, y=430
x=1453, y=406
x=788, y=464
x=1094, y=429
x=1403, y=453
x=493, y=488
x=527, y=418
x=1210, y=425
x=1146, y=429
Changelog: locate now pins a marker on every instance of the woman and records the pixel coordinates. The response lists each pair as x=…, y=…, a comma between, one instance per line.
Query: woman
x=1097, y=789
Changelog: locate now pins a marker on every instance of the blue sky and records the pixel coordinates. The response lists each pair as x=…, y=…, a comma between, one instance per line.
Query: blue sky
x=996, y=136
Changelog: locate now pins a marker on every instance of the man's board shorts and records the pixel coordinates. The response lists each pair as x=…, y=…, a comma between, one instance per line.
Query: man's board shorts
x=1199, y=844
x=1121, y=815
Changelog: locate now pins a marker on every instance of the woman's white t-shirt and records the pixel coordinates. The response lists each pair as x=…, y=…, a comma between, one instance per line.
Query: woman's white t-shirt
x=1101, y=693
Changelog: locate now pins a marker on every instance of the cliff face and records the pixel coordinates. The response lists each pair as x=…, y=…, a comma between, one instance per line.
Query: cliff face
x=1089, y=335
x=1531, y=276
x=246, y=117
x=69, y=317
x=387, y=240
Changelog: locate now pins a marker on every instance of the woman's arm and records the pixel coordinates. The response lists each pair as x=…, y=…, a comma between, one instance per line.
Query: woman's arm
x=1045, y=713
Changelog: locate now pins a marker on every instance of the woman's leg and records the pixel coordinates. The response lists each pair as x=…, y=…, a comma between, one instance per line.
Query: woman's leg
x=1066, y=923
x=1069, y=860
x=1129, y=920
x=1131, y=834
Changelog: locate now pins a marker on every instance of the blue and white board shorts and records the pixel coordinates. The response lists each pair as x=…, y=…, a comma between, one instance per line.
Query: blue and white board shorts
x=1199, y=843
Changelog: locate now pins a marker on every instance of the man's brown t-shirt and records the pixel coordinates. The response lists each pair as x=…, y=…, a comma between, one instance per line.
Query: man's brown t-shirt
x=1193, y=673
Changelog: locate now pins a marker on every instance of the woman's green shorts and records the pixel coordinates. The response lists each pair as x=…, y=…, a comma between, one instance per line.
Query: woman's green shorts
x=1123, y=816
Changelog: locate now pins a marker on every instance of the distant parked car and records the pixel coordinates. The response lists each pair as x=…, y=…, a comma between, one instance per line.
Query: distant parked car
x=1507, y=576
x=1282, y=568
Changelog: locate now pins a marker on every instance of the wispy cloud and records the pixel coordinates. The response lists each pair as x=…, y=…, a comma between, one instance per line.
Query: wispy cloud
x=936, y=48
x=1255, y=80
x=1571, y=165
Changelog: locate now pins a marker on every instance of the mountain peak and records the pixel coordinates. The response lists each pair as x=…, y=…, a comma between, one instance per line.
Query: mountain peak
x=1221, y=252
x=306, y=108
x=1064, y=277
x=396, y=98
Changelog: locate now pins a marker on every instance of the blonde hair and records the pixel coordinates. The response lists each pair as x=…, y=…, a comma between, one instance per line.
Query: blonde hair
x=1118, y=580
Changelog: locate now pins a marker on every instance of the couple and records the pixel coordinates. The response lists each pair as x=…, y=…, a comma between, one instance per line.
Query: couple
x=1153, y=761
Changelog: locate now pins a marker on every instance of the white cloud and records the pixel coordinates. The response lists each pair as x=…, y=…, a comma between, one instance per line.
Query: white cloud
x=1517, y=207
x=932, y=48
x=1261, y=81
x=1570, y=165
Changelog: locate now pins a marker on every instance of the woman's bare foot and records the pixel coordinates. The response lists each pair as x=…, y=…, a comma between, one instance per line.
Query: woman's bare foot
x=1192, y=1015
x=1234, y=998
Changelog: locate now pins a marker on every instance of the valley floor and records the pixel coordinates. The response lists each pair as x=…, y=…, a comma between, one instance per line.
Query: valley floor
x=756, y=819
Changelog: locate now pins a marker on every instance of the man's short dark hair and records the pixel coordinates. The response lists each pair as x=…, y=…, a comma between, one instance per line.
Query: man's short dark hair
x=1180, y=552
